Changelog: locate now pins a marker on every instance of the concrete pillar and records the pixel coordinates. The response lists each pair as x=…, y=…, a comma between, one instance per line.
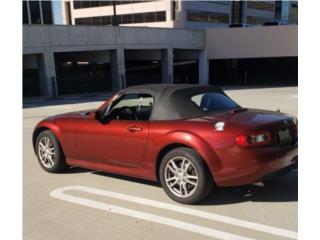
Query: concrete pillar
x=203, y=67
x=47, y=74
x=167, y=65
x=118, y=73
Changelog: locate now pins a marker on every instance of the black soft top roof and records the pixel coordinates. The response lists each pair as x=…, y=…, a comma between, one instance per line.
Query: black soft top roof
x=172, y=101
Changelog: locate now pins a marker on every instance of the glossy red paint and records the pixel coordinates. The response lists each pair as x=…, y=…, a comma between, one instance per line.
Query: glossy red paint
x=133, y=148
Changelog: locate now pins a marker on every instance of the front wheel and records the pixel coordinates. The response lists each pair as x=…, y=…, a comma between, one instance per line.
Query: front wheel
x=49, y=152
x=184, y=176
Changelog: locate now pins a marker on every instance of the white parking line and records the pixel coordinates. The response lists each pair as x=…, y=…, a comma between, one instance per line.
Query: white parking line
x=58, y=107
x=59, y=194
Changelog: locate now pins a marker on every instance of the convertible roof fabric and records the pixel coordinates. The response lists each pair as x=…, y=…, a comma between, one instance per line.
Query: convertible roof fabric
x=172, y=101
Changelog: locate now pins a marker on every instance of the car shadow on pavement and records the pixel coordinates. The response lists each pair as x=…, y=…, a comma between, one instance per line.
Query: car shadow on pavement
x=126, y=178
x=73, y=170
x=282, y=189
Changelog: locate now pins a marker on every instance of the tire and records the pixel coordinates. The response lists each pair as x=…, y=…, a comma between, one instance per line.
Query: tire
x=190, y=166
x=56, y=162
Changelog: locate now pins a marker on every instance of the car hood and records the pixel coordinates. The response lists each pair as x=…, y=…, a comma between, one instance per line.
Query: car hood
x=76, y=114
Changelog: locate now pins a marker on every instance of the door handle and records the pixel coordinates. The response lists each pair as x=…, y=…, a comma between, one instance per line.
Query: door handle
x=134, y=129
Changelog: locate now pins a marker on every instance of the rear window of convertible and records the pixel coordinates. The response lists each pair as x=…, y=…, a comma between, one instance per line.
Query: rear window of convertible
x=213, y=101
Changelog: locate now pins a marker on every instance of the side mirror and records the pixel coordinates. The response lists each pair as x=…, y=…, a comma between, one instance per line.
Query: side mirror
x=97, y=115
x=100, y=118
x=91, y=114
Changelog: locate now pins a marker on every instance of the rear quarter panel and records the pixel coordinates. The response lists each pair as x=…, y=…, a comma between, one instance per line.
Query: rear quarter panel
x=199, y=135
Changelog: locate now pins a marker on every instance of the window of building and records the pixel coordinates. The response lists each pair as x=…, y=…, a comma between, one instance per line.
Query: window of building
x=95, y=3
x=96, y=21
x=150, y=17
x=105, y=3
x=85, y=4
x=35, y=12
x=138, y=18
x=78, y=21
x=204, y=16
x=76, y=4
x=25, y=12
x=124, y=19
x=220, y=2
x=46, y=12
x=106, y=20
x=261, y=5
x=160, y=16
x=90, y=4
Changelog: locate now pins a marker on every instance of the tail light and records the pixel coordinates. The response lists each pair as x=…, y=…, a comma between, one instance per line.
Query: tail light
x=256, y=138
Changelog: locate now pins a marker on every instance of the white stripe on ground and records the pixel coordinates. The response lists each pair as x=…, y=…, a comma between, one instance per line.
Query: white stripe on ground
x=58, y=193
x=59, y=107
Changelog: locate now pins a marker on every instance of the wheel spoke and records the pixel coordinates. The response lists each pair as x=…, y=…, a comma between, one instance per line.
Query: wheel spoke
x=171, y=169
x=192, y=177
x=42, y=147
x=174, y=165
x=51, y=151
x=50, y=160
x=170, y=179
x=174, y=183
x=180, y=188
x=185, y=189
x=183, y=163
x=185, y=169
x=190, y=182
x=46, y=140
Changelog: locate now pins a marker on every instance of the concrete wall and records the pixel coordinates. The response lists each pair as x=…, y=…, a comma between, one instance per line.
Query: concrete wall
x=106, y=44
x=30, y=61
x=38, y=38
x=109, y=44
x=252, y=42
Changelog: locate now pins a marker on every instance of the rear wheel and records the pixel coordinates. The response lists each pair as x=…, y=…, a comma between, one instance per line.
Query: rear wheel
x=49, y=152
x=184, y=176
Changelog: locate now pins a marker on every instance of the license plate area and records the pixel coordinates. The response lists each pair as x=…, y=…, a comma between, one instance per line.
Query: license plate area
x=284, y=136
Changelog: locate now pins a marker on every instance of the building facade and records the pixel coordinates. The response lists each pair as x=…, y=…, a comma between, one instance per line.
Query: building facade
x=166, y=13
x=172, y=42
x=66, y=60
x=287, y=11
x=37, y=12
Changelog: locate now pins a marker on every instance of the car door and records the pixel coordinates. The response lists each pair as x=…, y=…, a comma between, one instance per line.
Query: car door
x=115, y=141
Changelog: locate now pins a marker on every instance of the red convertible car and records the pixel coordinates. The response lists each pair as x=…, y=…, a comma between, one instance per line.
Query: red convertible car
x=188, y=137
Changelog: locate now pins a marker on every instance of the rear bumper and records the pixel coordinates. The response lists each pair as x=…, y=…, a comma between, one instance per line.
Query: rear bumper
x=280, y=172
x=262, y=165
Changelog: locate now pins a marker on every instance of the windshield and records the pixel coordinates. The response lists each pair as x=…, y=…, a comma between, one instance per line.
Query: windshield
x=213, y=101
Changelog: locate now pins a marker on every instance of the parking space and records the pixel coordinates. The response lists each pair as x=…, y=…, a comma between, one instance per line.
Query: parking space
x=83, y=204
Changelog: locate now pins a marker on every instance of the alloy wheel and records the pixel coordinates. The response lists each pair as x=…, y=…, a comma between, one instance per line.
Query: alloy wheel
x=46, y=152
x=181, y=176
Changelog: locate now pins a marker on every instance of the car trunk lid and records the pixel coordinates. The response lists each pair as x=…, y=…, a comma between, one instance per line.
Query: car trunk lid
x=281, y=126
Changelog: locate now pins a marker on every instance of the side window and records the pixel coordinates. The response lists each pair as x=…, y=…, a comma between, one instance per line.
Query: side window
x=132, y=107
x=213, y=101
